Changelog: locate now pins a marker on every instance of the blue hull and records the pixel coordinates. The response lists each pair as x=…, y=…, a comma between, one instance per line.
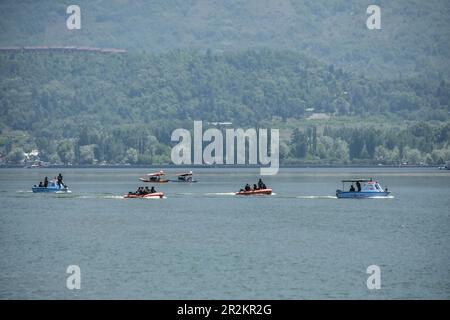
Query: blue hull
x=360, y=195
x=48, y=189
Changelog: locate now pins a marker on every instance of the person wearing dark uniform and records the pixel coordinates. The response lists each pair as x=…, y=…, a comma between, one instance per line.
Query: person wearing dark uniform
x=260, y=184
x=60, y=180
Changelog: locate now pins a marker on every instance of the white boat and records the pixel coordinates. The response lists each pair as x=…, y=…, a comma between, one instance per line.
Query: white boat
x=155, y=177
x=185, y=177
x=364, y=188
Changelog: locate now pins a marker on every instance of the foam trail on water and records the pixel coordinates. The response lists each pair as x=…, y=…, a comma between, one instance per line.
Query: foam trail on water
x=220, y=194
x=316, y=197
x=153, y=198
x=383, y=197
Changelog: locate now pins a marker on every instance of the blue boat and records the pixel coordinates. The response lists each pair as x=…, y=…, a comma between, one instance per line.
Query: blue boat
x=365, y=188
x=52, y=187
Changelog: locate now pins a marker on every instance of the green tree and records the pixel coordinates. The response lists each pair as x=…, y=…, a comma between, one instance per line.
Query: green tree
x=87, y=154
x=412, y=156
x=66, y=151
x=132, y=156
x=16, y=155
x=299, y=144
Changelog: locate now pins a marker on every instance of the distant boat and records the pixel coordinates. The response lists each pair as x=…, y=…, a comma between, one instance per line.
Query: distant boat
x=156, y=177
x=445, y=167
x=185, y=177
x=36, y=165
x=367, y=189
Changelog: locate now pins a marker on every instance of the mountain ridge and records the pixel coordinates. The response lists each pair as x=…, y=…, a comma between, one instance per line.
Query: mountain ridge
x=414, y=38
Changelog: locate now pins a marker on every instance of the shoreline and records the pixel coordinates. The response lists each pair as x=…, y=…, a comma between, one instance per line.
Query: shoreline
x=168, y=166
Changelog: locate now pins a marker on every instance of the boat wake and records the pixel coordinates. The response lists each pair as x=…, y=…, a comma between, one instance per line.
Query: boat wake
x=70, y=195
x=200, y=194
x=65, y=195
x=220, y=194
x=382, y=197
x=155, y=198
x=316, y=197
x=100, y=196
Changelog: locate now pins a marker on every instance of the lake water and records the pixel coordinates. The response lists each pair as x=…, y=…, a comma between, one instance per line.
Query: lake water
x=202, y=242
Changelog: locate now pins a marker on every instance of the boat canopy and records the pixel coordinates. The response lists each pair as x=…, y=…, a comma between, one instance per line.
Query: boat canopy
x=368, y=185
x=185, y=174
x=156, y=174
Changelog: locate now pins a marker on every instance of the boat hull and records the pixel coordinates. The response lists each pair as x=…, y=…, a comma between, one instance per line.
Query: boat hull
x=181, y=181
x=49, y=190
x=360, y=195
x=153, y=181
x=254, y=192
x=145, y=196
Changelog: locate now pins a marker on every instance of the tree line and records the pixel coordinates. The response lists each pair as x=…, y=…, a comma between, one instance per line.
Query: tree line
x=89, y=108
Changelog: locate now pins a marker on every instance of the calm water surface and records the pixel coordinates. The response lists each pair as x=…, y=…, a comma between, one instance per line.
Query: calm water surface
x=202, y=242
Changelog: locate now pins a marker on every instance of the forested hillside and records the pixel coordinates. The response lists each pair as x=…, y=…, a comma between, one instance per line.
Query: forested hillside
x=90, y=107
x=414, y=38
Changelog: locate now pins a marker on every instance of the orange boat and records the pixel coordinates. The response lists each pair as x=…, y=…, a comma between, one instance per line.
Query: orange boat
x=254, y=192
x=144, y=196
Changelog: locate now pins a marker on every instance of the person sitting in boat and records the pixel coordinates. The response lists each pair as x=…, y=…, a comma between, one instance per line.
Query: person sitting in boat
x=147, y=190
x=255, y=187
x=152, y=190
x=247, y=187
x=358, y=185
x=155, y=178
x=45, y=182
x=41, y=185
x=352, y=188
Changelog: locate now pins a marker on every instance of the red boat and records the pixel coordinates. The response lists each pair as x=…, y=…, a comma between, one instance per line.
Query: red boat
x=254, y=192
x=145, y=196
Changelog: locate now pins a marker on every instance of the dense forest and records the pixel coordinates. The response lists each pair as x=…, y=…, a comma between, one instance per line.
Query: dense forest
x=413, y=40
x=86, y=108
